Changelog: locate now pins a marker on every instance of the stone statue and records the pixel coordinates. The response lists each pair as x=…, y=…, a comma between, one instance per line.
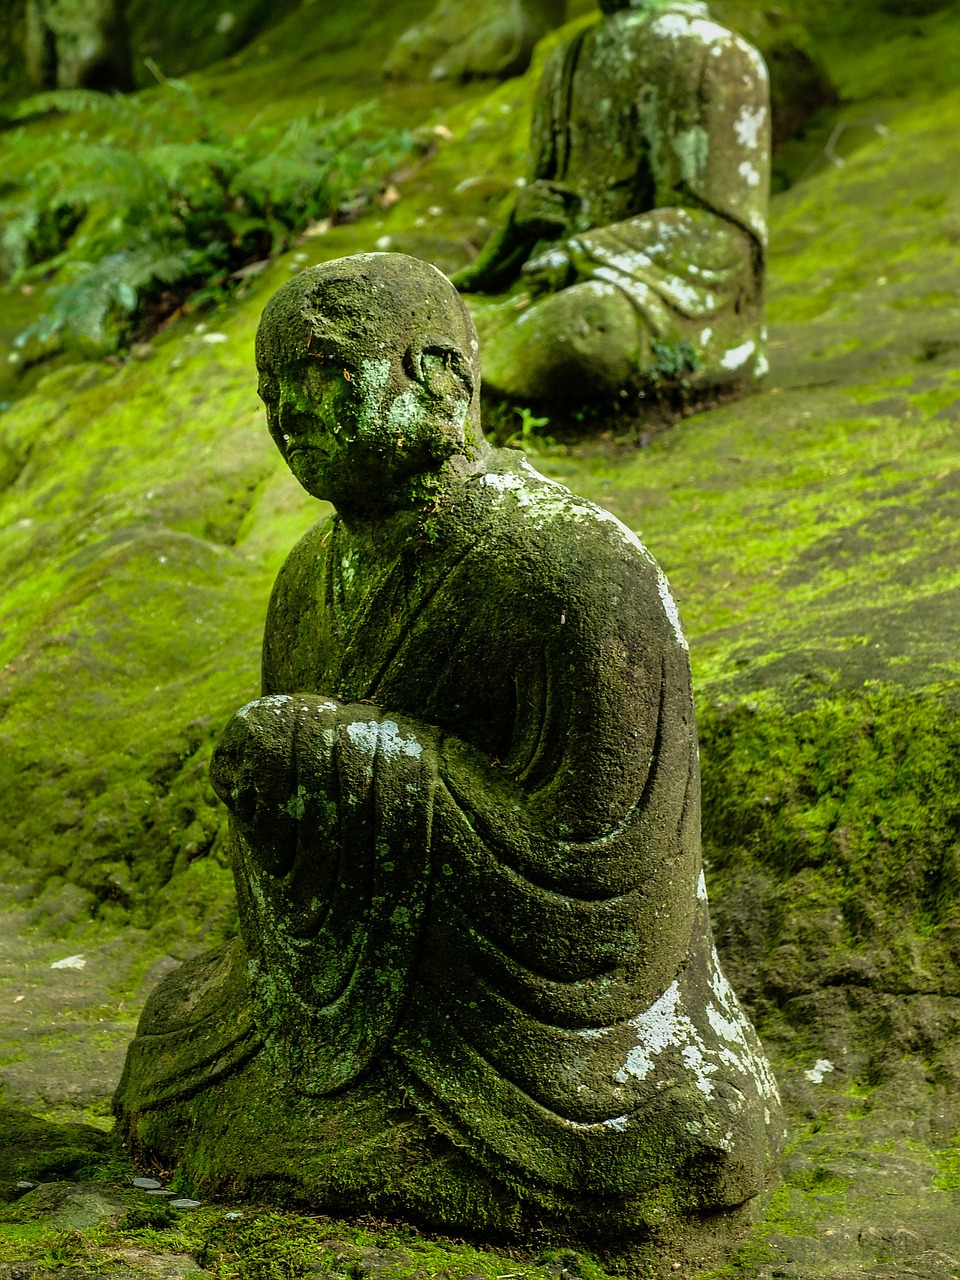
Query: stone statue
x=473, y=39
x=641, y=235
x=475, y=985
x=78, y=44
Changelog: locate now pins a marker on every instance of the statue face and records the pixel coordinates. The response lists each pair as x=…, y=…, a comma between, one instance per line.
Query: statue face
x=356, y=430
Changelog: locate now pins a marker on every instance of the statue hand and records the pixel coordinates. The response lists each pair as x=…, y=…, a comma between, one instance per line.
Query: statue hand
x=549, y=271
x=544, y=209
x=254, y=774
x=541, y=212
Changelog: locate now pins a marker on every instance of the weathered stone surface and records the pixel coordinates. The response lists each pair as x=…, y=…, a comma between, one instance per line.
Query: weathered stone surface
x=465, y=41
x=641, y=236
x=465, y=825
x=73, y=44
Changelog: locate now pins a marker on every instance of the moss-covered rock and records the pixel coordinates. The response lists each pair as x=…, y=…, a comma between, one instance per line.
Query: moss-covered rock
x=458, y=41
x=34, y=1150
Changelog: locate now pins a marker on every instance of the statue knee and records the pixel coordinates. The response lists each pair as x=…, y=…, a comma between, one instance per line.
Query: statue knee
x=585, y=343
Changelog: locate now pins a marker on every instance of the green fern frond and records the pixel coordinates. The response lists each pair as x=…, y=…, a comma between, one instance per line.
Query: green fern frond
x=181, y=160
x=91, y=173
x=172, y=204
x=120, y=110
x=81, y=306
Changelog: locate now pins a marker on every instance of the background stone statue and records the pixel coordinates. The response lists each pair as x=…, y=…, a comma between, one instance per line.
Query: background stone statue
x=466, y=41
x=641, y=234
x=72, y=44
x=475, y=984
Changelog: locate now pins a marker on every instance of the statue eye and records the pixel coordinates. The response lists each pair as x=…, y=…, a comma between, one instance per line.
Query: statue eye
x=348, y=375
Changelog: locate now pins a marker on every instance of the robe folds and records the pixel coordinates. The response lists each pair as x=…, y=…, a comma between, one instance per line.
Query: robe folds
x=466, y=843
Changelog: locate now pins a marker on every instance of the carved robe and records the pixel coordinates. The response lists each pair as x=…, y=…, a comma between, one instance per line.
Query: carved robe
x=466, y=824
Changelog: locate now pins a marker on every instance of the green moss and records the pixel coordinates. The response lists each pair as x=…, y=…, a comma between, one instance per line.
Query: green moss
x=264, y=1244
x=859, y=784
x=948, y=1161
x=35, y=1150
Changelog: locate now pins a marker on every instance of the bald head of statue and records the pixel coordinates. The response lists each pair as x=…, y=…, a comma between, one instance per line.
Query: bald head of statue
x=370, y=371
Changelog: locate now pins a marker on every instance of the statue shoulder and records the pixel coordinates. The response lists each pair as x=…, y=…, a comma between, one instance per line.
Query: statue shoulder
x=561, y=545
x=304, y=561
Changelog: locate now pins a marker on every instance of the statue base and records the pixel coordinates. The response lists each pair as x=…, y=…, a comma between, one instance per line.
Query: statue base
x=199, y=1096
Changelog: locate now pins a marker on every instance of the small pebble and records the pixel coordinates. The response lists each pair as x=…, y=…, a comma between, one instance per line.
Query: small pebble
x=161, y=1193
x=147, y=1184
x=184, y=1204
x=233, y=1215
x=25, y=1186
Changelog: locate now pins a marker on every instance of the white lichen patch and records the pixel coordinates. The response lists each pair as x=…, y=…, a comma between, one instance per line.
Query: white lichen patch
x=748, y=125
x=740, y=1032
x=273, y=702
x=688, y=298
x=501, y=482
x=368, y=736
x=702, y=887
x=628, y=261
x=372, y=377
x=701, y=1067
x=750, y=173
x=617, y=1123
x=364, y=734
x=692, y=147
x=822, y=1067
x=737, y=357
x=407, y=414
x=552, y=258
x=736, y=1059
x=670, y=608
x=657, y=1028
x=394, y=744
x=683, y=20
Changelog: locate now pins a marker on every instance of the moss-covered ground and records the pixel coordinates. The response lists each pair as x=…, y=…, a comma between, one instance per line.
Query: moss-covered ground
x=808, y=532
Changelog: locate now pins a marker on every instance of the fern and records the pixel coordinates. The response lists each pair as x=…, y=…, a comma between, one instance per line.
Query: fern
x=119, y=110
x=98, y=288
x=173, y=209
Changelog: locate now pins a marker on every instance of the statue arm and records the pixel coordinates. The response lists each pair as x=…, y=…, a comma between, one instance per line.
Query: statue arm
x=543, y=210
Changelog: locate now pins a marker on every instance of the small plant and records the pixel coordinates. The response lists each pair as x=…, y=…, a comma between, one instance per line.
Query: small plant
x=121, y=230
x=527, y=438
x=672, y=361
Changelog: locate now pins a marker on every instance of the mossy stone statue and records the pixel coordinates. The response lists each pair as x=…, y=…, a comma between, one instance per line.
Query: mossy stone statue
x=473, y=39
x=639, y=241
x=74, y=44
x=475, y=985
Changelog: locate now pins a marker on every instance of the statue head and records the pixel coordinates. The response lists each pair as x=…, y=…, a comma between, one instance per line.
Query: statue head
x=369, y=368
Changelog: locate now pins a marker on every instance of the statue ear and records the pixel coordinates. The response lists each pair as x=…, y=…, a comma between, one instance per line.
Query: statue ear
x=431, y=361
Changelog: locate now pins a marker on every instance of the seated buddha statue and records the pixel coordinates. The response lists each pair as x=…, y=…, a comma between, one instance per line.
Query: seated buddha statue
x=474, y=985
x=635, y=252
